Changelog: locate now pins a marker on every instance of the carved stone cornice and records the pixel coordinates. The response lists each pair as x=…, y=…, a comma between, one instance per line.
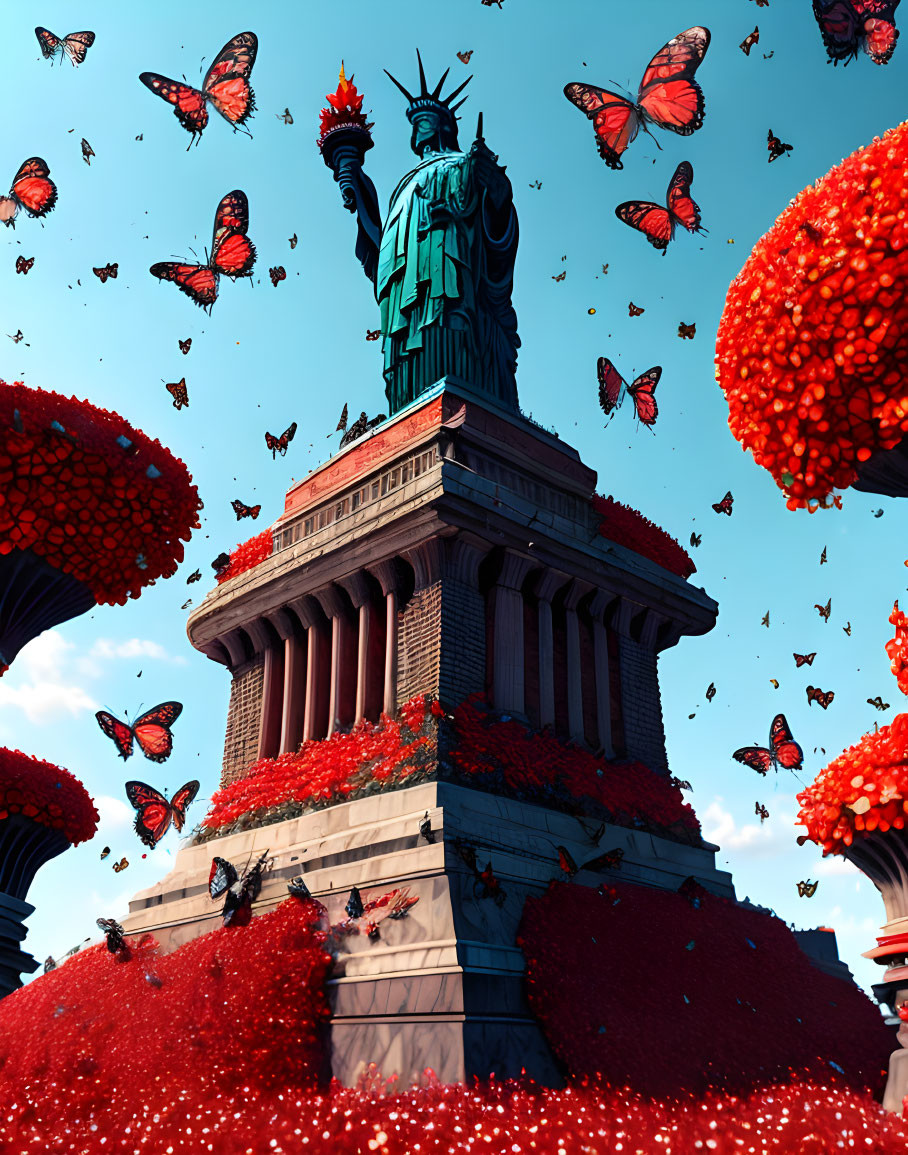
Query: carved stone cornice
x=307, y=610
x=427, y=560
x=600, y=602
x=258, y=633
x=235, y=646
x=549, y=582
x=387, y=574
x=514, y=568
x=283, y=624
x=357, y=588
x=579, y=589
x=332, y=602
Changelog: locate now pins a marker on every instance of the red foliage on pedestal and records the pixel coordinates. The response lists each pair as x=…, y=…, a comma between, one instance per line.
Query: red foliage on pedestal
x=46, y=794
x=91, y=495
x=812, y=352
x=627, y=527
x=248, y=555
x=689, y=998
x=101, y=1043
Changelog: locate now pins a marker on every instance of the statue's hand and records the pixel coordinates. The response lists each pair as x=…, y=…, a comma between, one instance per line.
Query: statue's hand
x=488, y=174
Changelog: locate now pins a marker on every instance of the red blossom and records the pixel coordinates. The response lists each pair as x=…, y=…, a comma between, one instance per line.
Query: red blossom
x=812, y=352
x=248, y=555
x=114, y=518
x=47, y=794
x=345, y=111
x=897, y=647
x=627, y=527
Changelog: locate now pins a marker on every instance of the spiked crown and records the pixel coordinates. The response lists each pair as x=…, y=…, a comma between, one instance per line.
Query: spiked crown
x=433, y=102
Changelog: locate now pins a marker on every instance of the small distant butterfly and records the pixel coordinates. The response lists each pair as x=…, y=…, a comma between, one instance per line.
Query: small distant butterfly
x=194, y=577
x=762, y=3
x=769, y=55
x=807, y=889
x=109, y=270
x=775, y=683
x=776, y=147
x=151, y=730
x=824, y=611
x=114, y=933
x=155, y=813
x=878, y=702
x=749, y=41
x=342, y=420
x=783, y=750
x=668, y=96
x=32, y=190
x=278, y=273
x=278, y=445
x=17, y=337
x=221, y=563
x=681, y=783
x=179, y=393
x=239, y=892
x=489, y=3
x=687, y=330
x=815, y=694
x=612, y=388
x=560, y=276
x=464, y=57
x=605, y=269
x=761, y=812
x=847, y=25
x=658, y=222
x=297, y=887
x=847, y=629
x=373, y=334
x=878, y=513
x=293, y=241
x=226, y=86
x=75, y=45
x=87, y=152
x=285, y=116
x=724, y=506
x=232, y=253
x=536, y=184
x=186, y=604
x=823, y=556
x=185, y=346
x=710, y=691
x=242, y=510
x=121, y=865
x=23, y=265
x=354, y=906
x=764, y=621
x=634, y=310
x=696, y=538
x=804, y=659
x=105, y=852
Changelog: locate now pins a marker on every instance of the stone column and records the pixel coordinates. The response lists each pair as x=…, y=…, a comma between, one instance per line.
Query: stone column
x=578, y=590
x=598, y=606
x=507, y=667
x=236, y=651
x=547, y=585
x=272, y=688
x=307, y=611
x=358, y=589
x=333, y=606
x=293, y=698
x=388, y=578
x=641, y=707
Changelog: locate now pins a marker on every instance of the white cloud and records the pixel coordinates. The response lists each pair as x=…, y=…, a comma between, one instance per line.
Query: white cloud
x=115, y=814
x=758, y=839
x=34, y=685
x=108, y=648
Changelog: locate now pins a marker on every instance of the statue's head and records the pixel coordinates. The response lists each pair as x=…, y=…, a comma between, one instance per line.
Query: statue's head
x=432, y=116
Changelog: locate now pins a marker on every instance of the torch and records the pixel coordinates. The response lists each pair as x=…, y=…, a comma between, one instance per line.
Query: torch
x=345, y=138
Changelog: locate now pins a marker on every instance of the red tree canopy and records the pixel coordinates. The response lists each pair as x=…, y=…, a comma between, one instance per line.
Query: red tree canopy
x=46, y=794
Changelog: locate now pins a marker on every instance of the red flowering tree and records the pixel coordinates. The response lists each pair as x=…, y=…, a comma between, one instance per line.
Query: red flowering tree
x=91, y=510
x=621, y=524
x=812, y=349
x=248, y=555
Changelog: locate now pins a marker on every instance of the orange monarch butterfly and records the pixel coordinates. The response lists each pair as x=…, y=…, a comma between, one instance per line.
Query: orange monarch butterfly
x=179, y=393
x=75, y=45
x=658, y=222
x=32, y=190
x=807, y=889
x=232, y=253
x=815, y=694
x=783, y=750
x=668, y=96
x=121, y=865
x=151, y=730
x=242, y=510
x=612, y=388
x=155, y=812
x=226, y=86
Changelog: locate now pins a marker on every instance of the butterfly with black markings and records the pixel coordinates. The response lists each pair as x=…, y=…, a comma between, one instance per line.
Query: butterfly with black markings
x=749, y=41
x=761, y=812
x=293, y=241
x=114, y=933
x=24, y=265
x=783, y=751
x=242, y=510
x=240, y=891
x=278, y=273
x=221, y=564
x=151, y=730
x=658, y=222
x=613, y=388
x=710, y=691
x=121, y=865
x=109, y=270
x=823, y=556
x=464, y=57
x=179, y=393
x=815, y=694
x=32, y=190
x=724, y=506
x=776, y=147
x=342, y=420
x=75, y=45
x=185, y=346
x=195, y=576
x=634, y=310
x=105, y=852
x=804, y=659
x=560, y=276
x=878, y=702
x=849, y=25
x=155, y=812
x=373, y=334
x=87, y=152
x=696, y=538
x=285, y=116
x=689, y=331
x=807, y=889
x=279, y=445
x=824, y=611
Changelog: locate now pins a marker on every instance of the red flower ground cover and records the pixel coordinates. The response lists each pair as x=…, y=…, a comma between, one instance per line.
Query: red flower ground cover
x=248, y=555
x=47, y=794
x=812, y=352
x=718, y=996
x=91, y=495
x=627, y=527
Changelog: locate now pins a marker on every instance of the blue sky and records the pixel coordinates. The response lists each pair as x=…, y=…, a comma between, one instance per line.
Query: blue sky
x=269, y=356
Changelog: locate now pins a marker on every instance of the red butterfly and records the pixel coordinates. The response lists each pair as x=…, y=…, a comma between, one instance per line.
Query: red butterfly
x=278, y=273
x=245, y=510
x=232, y=253
x=668, y=96
x=151, y=731
x=75, y=45
x=32, y=190
x=179, y=393
x=226, y=85
x=24, y=265
x=657, y=223
x=803, y=659
x=847, y=25
x=612, y=387
x=815, y=694
x=783, y=750
x=278, y=445
x=155, y=812
x=724, y=506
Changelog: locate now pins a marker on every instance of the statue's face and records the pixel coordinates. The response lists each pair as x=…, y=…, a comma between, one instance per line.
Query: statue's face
x=430, y=134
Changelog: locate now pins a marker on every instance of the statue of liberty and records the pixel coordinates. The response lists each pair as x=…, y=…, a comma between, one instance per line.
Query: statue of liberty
x=442, y=263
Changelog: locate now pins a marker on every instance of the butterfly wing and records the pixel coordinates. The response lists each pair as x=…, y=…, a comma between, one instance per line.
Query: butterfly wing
x=181, y=801
x=187, y=102
x=611, y=385
x=197, y=281
x=33, y=188
x=804, y=659
x=839, y=28
x=49, y=43
x=154, y=812
x=221, y=877
x=652, y=220
x=725, y=505
x=566, y=861
x=76, y=45
x=232, y=252
x=681, y=204
x=119, y=732
x=785, y=750
x=880, y=35
x=226, y=82
x=152, y=730
x=179, y=392
x=642, y=391
x=756, y=757
x=668, y=93
x=615, y=119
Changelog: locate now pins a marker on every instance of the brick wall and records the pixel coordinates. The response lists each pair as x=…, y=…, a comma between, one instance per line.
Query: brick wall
x=642, y=707
x=419, y=644
x=442, y=643
x=244, y=716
